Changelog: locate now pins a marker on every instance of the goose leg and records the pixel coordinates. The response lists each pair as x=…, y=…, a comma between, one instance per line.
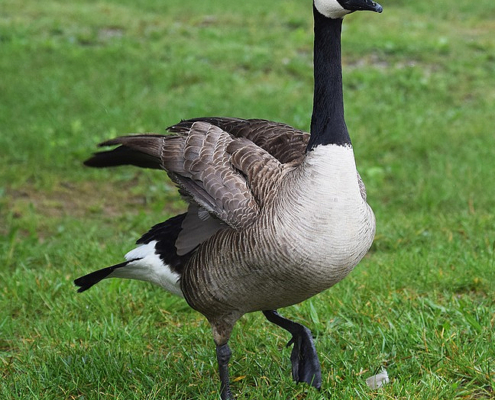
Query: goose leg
x=304, y=359
x=222, y=328
x=223, y=357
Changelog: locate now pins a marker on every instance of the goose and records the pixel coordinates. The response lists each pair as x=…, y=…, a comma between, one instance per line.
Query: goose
x=275, y=215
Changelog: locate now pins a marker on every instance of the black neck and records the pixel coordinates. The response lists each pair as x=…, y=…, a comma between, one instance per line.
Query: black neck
x=327, y=123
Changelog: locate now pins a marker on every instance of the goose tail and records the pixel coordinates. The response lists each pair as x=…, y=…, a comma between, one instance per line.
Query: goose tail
x=87, y=281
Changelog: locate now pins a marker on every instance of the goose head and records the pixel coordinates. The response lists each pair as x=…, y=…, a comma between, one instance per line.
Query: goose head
x=339, y=8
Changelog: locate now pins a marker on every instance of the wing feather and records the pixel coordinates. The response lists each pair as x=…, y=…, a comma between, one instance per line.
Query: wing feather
x=282, y=141
x=222, y=165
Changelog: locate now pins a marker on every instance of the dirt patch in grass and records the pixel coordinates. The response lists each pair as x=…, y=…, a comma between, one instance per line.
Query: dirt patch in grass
x=82, y=199
x=68, y=199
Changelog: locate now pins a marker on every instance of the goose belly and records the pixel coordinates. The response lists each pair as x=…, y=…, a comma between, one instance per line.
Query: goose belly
x=308, y=261
x=300, y=250
x=251, y=273
x=314, y=233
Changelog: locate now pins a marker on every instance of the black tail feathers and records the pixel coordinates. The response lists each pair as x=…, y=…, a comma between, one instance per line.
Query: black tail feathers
x=89, y=280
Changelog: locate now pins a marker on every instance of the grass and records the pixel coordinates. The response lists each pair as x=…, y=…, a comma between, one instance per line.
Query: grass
x=420, y=94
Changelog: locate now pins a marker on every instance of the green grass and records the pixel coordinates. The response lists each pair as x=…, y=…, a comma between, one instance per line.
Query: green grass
x=420, y=100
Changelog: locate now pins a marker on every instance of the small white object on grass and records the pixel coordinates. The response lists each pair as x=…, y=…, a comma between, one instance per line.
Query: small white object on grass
x=377, y=381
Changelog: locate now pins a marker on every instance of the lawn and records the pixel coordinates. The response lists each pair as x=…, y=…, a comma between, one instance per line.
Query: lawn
x=420, y=105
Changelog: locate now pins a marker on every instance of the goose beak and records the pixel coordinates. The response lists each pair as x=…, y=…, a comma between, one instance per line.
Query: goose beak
x=361, y=5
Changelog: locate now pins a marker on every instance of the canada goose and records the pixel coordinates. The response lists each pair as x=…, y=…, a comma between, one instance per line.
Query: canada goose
x=275, y=215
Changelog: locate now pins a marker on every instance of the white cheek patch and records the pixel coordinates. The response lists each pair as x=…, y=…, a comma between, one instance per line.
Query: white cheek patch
x=330, y=8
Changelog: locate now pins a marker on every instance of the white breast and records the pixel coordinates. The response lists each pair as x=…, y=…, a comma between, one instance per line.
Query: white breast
x=327, y=214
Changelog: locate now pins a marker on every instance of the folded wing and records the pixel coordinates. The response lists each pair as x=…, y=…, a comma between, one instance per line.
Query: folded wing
x=222, y=165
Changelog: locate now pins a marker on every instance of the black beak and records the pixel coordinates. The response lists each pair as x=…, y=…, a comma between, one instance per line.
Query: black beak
x=361, y=5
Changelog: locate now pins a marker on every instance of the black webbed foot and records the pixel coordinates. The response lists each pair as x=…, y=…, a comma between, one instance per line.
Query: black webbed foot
x=304, y=359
